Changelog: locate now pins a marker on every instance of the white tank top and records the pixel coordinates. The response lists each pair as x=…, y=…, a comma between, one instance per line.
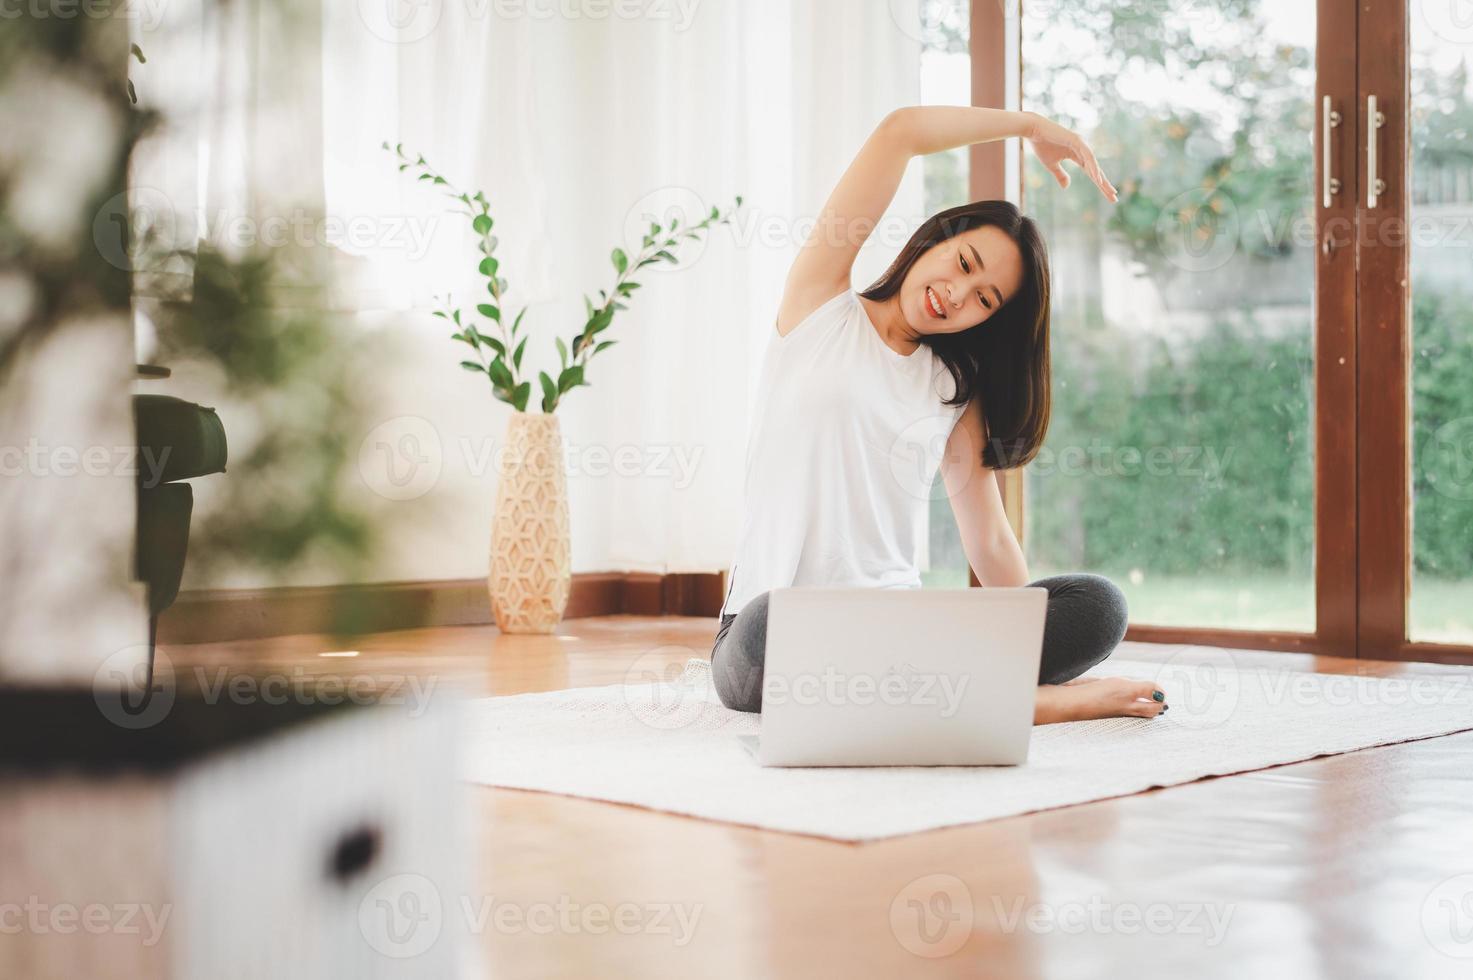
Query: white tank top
x=845, y=443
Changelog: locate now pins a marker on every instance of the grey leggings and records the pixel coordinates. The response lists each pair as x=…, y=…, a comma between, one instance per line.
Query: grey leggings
x=1085, y=621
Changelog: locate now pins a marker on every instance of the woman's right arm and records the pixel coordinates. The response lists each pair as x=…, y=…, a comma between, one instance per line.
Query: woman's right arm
x=860, y=199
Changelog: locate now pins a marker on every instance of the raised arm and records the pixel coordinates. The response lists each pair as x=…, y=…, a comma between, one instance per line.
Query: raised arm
x=860, y=199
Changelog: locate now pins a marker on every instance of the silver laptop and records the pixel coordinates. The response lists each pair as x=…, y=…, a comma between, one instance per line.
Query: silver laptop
x=900, y=677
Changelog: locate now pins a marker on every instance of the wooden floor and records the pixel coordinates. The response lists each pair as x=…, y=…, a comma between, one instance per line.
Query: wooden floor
x=1358, y=865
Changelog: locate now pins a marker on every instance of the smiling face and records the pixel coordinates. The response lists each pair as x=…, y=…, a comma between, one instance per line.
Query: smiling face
x=961, y=282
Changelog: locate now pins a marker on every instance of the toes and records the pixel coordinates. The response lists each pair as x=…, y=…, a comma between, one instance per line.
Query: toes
x=1147, y=709
x=1149, y=691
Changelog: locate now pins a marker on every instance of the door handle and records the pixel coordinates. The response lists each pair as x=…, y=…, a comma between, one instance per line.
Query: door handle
x=1329, y=119
x=1375, y=119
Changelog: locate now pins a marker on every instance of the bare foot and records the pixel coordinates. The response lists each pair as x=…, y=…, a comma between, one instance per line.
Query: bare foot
x=1098, y=697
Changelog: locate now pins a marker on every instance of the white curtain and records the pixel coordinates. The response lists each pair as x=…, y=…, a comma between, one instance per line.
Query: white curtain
x=579, y=122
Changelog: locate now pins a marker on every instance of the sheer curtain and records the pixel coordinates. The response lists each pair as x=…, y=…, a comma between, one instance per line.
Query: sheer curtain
x=580, y=124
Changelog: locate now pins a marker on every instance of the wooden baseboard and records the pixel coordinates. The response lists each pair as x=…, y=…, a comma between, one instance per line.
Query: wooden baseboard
x=213, y=615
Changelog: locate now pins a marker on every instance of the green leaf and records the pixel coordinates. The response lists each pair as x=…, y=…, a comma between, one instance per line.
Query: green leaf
x=440, y=314
x=628, y=287
x=472, y=366
x=738, y=200
x=492, y=343
x=621, y=261
x=500, y=374
x=481, y=223
x=516, y=357
x=549, y=391
x=489, y=266
x=588, y=304
x=562, y=351
x=606, y=343
x=570, y=378
x=518, y=321
x=662, y=254
x=519, y=397
x=714, y=213
x=600, y=320
x=138, y=53
x=489, y=312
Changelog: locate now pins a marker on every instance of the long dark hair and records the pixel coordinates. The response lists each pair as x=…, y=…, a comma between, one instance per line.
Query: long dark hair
x=1004, y=361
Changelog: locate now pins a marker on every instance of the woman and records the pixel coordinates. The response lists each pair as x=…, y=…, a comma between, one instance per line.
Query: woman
x=949, y=347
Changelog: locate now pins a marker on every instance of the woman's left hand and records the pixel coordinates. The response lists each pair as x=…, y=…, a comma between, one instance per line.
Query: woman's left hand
x=1053, y=144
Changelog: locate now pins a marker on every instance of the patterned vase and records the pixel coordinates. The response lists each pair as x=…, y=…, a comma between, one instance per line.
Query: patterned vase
x=531, y=555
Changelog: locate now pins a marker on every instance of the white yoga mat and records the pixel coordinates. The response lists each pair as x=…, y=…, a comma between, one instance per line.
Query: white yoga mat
x=669, y=744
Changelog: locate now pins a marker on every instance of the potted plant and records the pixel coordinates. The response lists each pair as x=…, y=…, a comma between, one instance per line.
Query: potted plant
x=531, y=556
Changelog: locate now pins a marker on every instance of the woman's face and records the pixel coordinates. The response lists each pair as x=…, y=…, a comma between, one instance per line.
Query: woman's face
x=961, y=282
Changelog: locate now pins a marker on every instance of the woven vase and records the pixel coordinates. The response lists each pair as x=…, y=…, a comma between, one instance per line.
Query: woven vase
x=531, y=555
